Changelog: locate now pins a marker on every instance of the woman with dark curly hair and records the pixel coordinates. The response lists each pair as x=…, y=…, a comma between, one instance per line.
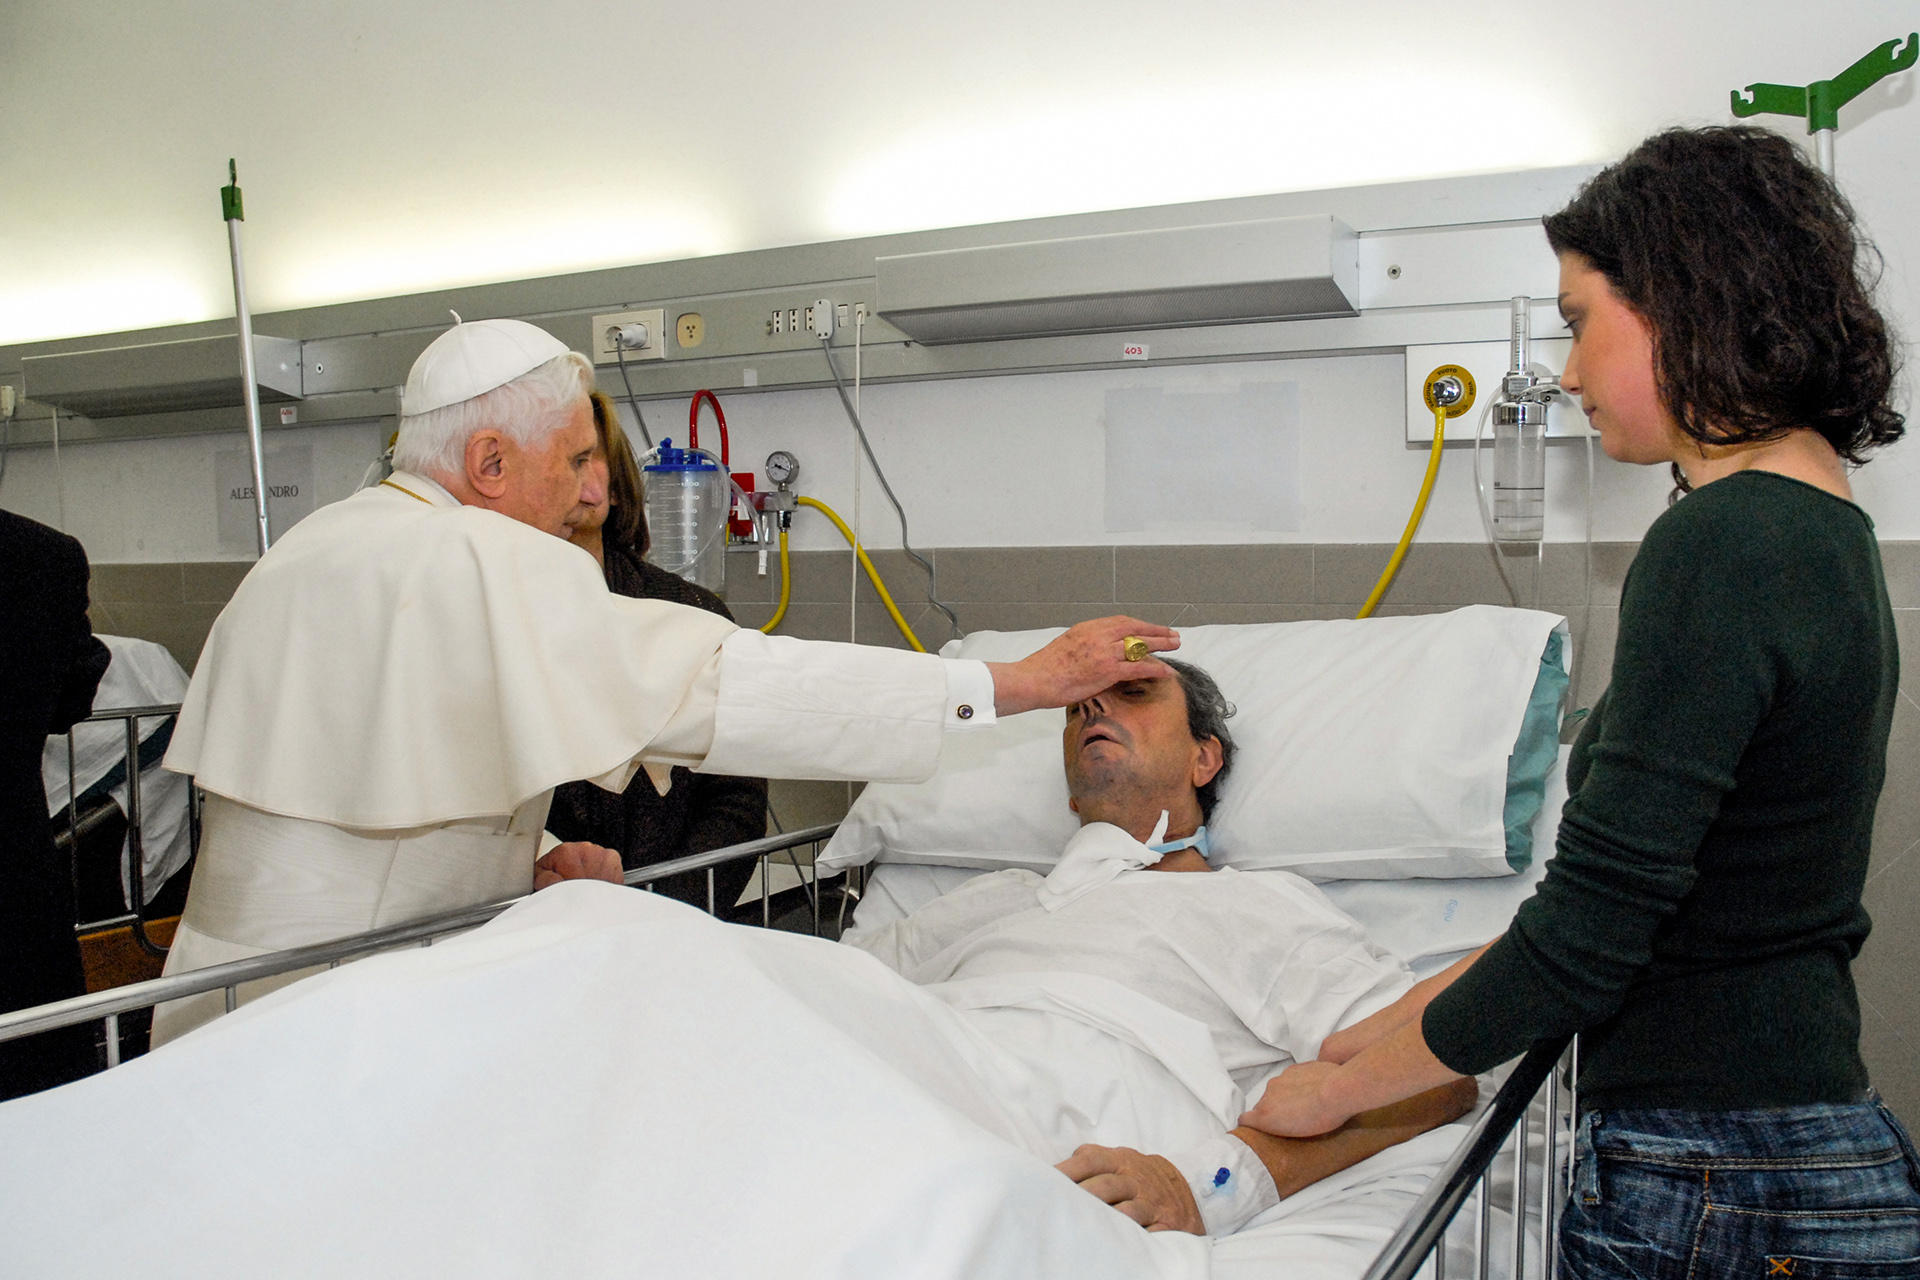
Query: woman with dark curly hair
x=1697, y=923
x=700, y=811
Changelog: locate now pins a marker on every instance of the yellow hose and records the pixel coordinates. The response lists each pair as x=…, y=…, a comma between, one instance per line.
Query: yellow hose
x=873, y=575
x=1413, y=521
x=786, y=587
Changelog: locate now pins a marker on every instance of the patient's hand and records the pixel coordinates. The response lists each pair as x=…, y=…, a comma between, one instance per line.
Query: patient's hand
x=1146, y=1188
x=577, y=860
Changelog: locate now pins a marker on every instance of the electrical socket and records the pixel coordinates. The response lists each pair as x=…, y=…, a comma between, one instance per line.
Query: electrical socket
x=604, y=327
x=820, y=319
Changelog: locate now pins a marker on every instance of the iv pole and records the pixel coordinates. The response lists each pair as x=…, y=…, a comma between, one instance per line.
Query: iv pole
x=230, y=210
x=1820, y=102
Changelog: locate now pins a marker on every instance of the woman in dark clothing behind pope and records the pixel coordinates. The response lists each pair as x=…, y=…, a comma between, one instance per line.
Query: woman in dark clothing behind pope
x=50, y=665
x=1698, y=922
x=700, y=811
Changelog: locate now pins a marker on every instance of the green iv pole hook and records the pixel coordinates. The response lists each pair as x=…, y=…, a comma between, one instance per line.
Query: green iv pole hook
x=1820, y=102
x=231, y=210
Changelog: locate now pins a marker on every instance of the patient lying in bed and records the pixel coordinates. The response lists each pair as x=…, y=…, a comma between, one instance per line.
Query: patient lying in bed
x=1265, y=965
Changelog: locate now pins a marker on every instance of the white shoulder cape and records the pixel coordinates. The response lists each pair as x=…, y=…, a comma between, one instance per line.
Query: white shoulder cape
x=394, y=662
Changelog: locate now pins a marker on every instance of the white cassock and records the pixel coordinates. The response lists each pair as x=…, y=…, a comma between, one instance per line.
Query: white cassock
x=382, y=712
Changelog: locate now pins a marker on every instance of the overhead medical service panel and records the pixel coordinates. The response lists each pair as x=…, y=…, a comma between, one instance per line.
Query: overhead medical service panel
x=1222, y=273
x=161, y=377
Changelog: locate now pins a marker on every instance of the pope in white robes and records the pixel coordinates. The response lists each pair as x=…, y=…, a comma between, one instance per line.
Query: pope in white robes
x=381, y=713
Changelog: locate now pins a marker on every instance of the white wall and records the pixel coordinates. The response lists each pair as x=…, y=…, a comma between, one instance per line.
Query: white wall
x=142, y=501
x=389, y=148
x=1014, y=461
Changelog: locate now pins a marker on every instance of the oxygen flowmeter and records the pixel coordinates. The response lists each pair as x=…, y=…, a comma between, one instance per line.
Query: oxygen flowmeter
x=1520, y=437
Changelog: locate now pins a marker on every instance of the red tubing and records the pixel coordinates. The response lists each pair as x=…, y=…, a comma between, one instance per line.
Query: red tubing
x=693, y=422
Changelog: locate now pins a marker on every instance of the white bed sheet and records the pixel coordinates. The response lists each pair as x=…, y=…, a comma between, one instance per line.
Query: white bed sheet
x=141, y=674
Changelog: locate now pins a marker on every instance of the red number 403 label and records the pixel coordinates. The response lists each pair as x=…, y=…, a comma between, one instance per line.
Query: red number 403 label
x=1134, y=351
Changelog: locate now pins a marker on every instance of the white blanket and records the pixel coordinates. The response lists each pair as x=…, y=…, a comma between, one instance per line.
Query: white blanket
x=600, y=1083
x=607, y=1083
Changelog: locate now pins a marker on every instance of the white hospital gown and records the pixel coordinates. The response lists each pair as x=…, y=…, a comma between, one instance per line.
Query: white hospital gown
x=1265, y=962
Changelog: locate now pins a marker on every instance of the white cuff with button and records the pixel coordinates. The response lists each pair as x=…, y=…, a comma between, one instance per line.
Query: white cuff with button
x=969, y=694
x=1229, y=1183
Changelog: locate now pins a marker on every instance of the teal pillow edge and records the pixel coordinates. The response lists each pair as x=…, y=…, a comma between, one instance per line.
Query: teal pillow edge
x=1535, y=752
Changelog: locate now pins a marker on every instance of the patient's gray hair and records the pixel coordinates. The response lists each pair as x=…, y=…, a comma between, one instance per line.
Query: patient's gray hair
x=1207, y=713
x=530, y=407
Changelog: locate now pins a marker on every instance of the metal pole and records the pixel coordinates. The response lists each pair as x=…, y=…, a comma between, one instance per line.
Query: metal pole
x=1823, y=150
x=230, y=207
x=1520, y=1199
x=73, y=825
x=1483, y=1227
x=1550, y=1174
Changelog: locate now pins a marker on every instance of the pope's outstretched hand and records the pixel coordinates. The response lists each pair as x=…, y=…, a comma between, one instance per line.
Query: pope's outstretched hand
x=577, y=860
x=1088, y=658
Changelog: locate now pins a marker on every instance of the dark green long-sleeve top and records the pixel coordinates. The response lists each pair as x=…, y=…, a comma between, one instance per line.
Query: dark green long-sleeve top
x=1702, y=909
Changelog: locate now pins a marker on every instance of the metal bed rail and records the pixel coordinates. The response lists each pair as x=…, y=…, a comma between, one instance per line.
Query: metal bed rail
x=1469, y=1172
x=107, y=1006
x=134, y=858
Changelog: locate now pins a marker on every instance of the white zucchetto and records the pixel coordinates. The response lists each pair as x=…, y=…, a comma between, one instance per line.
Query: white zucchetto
x=473, y=358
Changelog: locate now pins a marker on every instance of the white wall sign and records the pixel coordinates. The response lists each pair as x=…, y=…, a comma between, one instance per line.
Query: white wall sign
x=290, y=493
x=1203, y=460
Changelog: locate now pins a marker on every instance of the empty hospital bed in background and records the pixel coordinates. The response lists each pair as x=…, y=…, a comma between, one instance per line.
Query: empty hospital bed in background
x=1386, y=1213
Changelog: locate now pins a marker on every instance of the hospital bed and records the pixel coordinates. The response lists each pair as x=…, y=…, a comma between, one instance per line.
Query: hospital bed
x=1482, y=1202
x=1518, y=1145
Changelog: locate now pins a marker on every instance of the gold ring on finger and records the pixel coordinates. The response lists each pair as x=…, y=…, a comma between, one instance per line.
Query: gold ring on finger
x=1134, y=648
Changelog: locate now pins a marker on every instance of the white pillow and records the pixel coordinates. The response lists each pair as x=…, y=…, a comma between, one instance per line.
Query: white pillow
x=1372, y=749
x=1427, y=923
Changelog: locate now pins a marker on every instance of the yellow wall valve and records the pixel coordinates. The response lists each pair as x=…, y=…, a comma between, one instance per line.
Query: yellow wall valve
x=1449, y=393
x=1451, y=388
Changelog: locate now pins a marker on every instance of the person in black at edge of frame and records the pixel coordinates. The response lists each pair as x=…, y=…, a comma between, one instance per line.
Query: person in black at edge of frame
x=700, y=811
x=50, y=665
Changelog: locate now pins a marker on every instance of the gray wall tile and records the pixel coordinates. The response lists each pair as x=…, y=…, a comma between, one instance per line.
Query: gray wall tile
x=1593, y=638
x=1896, y=822
x=1226, y=615
x=1891, y=1059
x=182, y=628
x=1452, y=573
x=808, y=804
x=743, y=581
x=137, y=583
x=1906, y=626
x=1029, y=573
x=102, y=619
x=819, y=576
x=1901, y=563
x=1565, y=583
x=1889, y=964
x=213, y=581
x=996, y=615
x=1264, y=574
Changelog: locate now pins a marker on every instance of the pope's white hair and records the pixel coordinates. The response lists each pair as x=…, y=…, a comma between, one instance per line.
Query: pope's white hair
x=532, y=406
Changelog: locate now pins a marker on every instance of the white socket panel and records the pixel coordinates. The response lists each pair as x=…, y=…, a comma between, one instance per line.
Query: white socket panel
x=603, y=327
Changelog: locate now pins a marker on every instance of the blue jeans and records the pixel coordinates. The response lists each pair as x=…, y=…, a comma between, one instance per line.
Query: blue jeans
x=1802, y=1192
